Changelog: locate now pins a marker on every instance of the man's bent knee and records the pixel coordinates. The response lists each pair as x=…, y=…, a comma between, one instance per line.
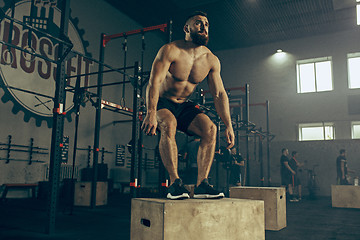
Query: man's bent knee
x=168, y=128
x=209, y=133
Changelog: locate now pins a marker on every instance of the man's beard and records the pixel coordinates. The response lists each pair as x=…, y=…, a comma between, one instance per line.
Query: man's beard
x=199, y=38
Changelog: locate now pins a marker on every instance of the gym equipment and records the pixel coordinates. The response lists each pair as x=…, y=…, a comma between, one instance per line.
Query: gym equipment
x=241, y=122
x=345, y=196
x=200, y=219
x=274, y=203
x=7, y=186
x=64, y=48
x=312, y=182
x=21, y=148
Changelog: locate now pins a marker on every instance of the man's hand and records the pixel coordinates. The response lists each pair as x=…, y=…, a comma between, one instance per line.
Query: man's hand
x=149, y=124
x=230, y=137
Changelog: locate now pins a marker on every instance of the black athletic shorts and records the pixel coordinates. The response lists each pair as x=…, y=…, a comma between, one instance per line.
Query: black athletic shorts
x=184, y=112
x=295, y=180
x=289, y=179
x=286, y=179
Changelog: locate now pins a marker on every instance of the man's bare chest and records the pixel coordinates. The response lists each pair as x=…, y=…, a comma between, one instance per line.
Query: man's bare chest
x=193, y=70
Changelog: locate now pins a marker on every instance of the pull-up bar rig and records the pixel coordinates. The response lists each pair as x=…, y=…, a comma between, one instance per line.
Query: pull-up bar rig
x=134, y=112
x=65, y=47
x=242, y=122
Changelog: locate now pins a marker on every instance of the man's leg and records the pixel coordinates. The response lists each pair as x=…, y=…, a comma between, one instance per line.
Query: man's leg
x=167, y=146
x=290, y=189
x=169, y=154
x=203, y=127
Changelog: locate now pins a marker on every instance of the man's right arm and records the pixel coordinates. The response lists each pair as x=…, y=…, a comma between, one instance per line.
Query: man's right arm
x=289, y=168
x=159, y=69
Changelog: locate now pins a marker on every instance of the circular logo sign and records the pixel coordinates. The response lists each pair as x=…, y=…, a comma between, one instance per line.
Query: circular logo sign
x=29, y=81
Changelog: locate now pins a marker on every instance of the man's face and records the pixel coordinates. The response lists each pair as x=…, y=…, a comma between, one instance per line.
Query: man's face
x=199, y=30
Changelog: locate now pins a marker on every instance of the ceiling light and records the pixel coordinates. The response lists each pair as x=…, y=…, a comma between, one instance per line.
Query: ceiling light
x=280, y=50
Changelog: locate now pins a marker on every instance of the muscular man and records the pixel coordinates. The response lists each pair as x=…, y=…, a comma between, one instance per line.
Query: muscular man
x=177, y=69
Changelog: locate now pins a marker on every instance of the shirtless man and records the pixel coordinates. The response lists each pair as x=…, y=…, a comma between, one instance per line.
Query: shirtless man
x=177, y=69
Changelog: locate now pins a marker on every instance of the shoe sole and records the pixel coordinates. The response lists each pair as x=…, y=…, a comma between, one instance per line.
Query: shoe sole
x=178, y=197
x=208, y=196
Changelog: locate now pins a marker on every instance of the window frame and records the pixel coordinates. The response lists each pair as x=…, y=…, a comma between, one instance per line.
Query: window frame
x=354, y=123
x=351, y=55
x=322, y=125
x=314, y=61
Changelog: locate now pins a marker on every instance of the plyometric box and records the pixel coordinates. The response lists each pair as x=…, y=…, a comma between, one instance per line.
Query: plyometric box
x=197, y=219
x=82, y=196
x=345, y=196
x=274, y=202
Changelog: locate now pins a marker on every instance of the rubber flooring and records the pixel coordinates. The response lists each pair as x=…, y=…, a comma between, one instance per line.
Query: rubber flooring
x=25, y=219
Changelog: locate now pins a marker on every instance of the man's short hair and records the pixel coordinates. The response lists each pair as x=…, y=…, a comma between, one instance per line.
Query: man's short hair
x=342, y=151
x=293, y=153
x=196, y=13
x=283, y=150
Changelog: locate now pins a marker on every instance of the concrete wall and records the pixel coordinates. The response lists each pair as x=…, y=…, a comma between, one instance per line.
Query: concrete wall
x=274, y=79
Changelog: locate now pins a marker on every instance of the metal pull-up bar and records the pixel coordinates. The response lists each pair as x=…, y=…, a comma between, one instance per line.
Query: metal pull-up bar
x=107, y=38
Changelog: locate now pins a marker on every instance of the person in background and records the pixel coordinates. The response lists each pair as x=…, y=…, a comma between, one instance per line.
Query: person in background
x=238, y=164
x=295, y=180
x=342, y=168
x=286, y=174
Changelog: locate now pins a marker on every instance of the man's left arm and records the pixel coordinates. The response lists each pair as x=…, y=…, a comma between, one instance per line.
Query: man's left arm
x=221, y=100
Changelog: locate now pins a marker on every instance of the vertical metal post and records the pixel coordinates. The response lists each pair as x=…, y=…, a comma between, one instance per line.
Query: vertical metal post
x=125, y=48
x=261, y=160
x=135, y=131
x=77, y=101
x=217, y=161
x=268, y=141
x=140, y=86
x=169, y=30
x=58, y=122
x=247, y=119
x=97, y=123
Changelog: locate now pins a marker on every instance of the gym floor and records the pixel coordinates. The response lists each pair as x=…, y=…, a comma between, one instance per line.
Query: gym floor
x=26, y=219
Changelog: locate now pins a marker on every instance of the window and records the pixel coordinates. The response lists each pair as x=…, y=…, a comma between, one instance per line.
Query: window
x=355, y=130
x=314, y=75
x=354, y=70
x=316, y=131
